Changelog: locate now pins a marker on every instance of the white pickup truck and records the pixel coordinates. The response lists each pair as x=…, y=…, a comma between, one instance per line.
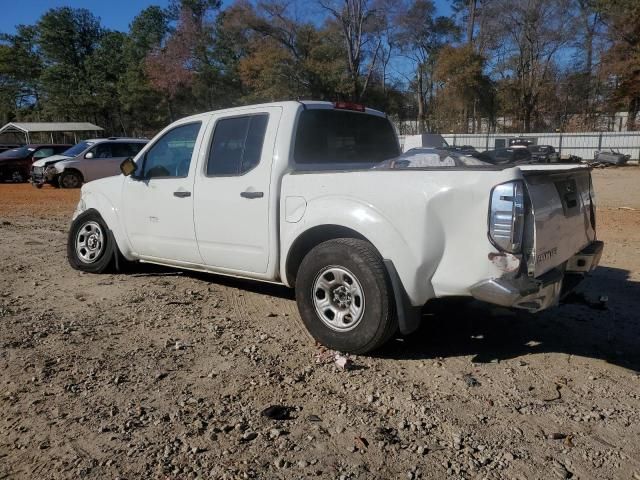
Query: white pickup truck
x=316, y=196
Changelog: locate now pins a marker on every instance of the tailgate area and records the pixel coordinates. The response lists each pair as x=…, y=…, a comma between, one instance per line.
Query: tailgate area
x=561, y=221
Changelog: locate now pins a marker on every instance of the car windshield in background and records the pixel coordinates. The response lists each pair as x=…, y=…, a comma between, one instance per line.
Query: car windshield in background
x=77, y=149
x=333, y=137
x=432, y=158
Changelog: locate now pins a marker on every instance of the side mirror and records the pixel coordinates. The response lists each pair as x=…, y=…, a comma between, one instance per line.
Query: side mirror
x=128, y=167
x=89, y=155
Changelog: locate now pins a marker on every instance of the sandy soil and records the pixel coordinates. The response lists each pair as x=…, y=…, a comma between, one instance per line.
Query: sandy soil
x=165, y=374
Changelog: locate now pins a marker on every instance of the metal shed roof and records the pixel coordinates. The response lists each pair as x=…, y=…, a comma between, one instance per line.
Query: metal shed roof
x=31, y=127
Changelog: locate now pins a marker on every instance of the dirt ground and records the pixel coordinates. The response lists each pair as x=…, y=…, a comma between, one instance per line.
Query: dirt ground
x=166, y=374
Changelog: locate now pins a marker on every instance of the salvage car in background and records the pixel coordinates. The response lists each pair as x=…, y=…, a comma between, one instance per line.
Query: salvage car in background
x=610, y=157
x=506, y=156
x=286, y=193
x=86, y=161
x=543, y=154
x=9, y=146
x=15, y=164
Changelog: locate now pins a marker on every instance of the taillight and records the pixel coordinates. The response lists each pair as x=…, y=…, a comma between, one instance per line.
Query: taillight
x=349, y=106
x=506, y=216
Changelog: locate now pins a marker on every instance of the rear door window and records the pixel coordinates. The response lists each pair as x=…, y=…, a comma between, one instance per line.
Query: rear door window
x=122, y=149
x=236, y=146
x=136, y=147
x=102, y=150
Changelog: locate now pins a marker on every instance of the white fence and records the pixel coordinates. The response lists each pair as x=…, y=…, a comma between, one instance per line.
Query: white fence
x=581, y=144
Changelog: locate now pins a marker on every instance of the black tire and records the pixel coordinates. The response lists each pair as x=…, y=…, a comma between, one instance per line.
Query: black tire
x=70, y=179
x=17, y=177
x=103, y=260
x=377, y=323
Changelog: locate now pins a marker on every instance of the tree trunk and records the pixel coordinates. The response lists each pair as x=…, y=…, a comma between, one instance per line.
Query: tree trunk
x=356, y=88
x=170, y=109
x=471, y=21
x=420, y=101
x=527, y=115
x=465, y=119
x=634, y=108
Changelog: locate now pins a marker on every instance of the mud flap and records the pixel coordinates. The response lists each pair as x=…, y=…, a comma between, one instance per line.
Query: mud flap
x=408, y=315
x=116, y=252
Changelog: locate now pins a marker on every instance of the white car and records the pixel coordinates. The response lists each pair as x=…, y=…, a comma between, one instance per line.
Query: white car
x=286, y=193
x=85, y=161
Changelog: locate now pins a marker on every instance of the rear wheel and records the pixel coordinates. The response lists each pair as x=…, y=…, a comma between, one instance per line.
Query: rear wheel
x=344, y=296
x=90, y=247
x=70, y=179
x=18, y=177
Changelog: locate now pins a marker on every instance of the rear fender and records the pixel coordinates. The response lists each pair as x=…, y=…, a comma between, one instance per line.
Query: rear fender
x=371, y=224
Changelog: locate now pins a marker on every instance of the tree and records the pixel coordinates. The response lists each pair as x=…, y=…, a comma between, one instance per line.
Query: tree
x=462, y=87
x=621, y=63
x=280, y=57
x=105, y=67
x=67, y=38
x=170, y=68
x=421, y=36
x=530, y=35
x=360, y=26
x=20, y=69
x=143, y=108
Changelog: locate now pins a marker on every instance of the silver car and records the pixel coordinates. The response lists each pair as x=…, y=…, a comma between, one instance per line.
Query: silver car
x=86, y=161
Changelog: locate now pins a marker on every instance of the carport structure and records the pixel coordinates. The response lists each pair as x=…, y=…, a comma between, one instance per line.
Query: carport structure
x=28, y=130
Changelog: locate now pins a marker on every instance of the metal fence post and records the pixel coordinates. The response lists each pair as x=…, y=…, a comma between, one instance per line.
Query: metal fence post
x=560, y=145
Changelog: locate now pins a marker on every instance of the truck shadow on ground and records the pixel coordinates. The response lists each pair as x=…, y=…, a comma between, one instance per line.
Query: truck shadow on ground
x=584, y=327
x=459, y=327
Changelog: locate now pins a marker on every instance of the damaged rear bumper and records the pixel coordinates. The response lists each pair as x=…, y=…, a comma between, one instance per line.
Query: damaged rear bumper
x=535, y=294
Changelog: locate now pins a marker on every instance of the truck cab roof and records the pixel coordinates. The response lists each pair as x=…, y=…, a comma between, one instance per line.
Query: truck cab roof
x=294, y=104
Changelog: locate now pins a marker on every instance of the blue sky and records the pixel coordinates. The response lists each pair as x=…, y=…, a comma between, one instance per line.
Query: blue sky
x=115, y=14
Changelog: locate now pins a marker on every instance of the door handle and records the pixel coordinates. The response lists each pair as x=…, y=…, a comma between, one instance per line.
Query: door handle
x=252, y=194
x=181, y=194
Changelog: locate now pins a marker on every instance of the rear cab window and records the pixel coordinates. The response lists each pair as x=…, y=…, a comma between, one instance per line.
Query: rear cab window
x=343, y=139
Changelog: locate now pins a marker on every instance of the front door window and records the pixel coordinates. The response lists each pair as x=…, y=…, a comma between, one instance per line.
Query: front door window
x=170, y=156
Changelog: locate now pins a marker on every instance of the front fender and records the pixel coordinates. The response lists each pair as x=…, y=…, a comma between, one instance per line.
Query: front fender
x=378, y=229
x=68, y=164
x=92, y=198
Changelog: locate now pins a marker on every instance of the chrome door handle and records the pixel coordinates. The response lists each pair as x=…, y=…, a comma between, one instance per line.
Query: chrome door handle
x=252, y=194
x=181, y=194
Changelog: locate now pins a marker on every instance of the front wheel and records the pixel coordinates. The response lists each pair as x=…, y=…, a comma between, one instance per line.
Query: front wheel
x=70, y=179
x=90, y=247
x=344, y=296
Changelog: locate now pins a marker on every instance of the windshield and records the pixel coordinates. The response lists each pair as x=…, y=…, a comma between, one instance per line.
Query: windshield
x=340, y=137
x=77, y=149
x=432, y=158
x=16, y=152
